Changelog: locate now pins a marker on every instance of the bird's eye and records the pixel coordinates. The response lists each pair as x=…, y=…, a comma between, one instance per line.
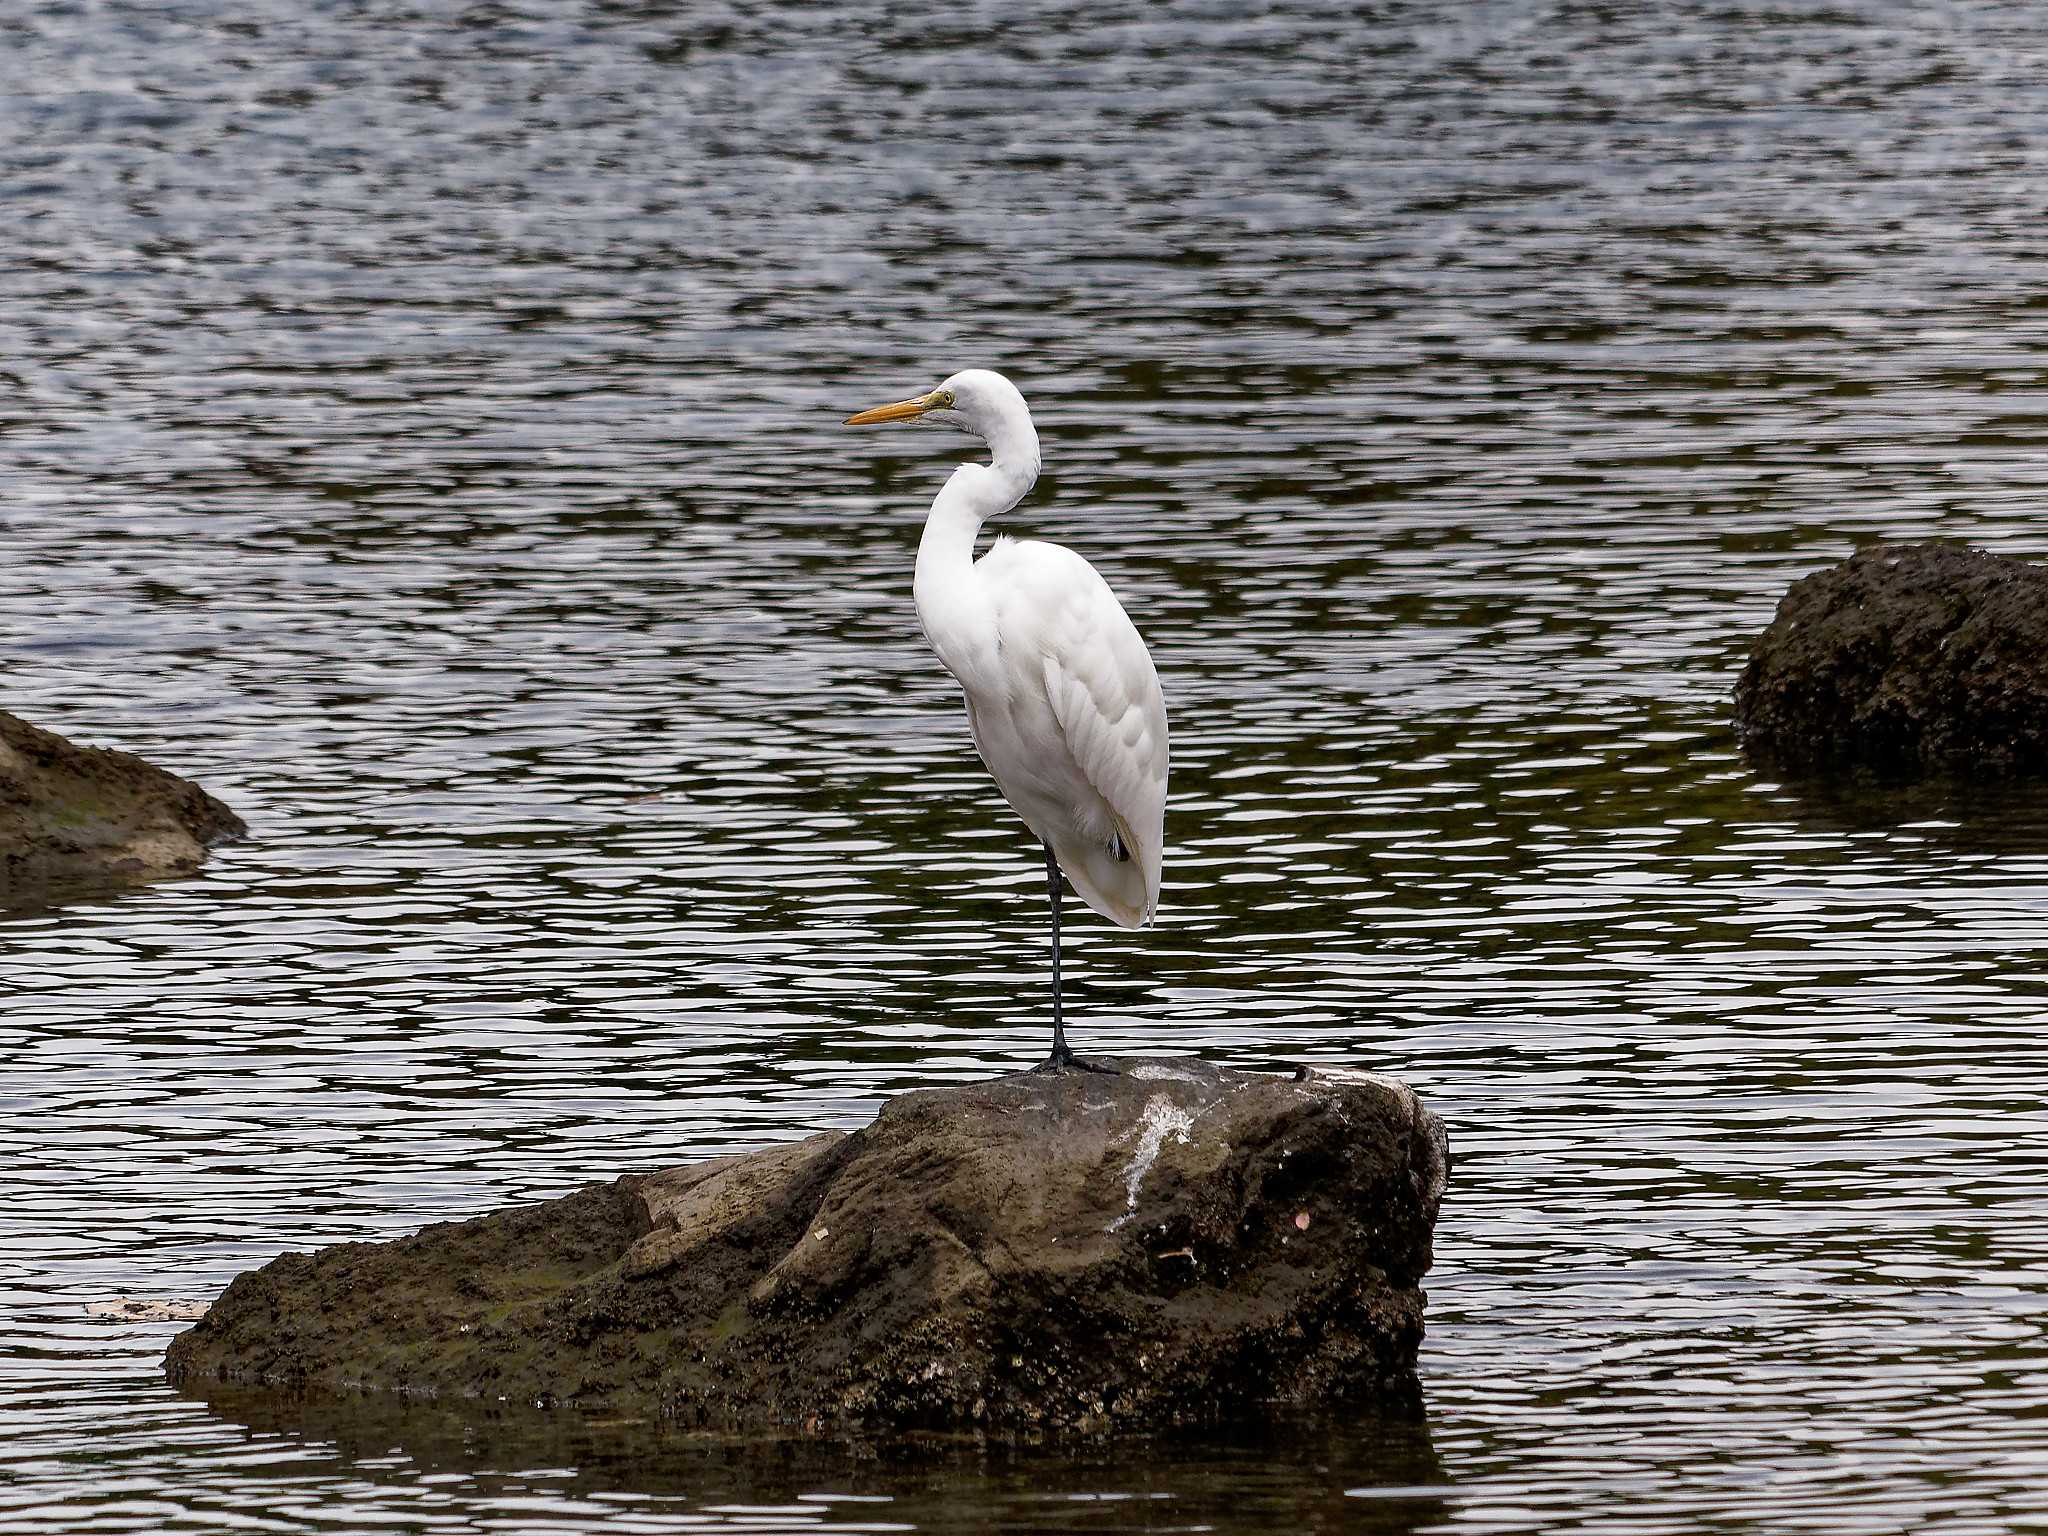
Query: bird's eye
x=942, y=399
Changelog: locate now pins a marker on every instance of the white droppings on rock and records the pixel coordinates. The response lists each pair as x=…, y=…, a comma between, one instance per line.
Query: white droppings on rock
x=1360, y=1075
x=1162, y=1118
x=1348, y=1075
x=1163, y=1072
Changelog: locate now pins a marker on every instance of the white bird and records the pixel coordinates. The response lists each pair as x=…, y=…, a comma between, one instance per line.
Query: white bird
x=1062, y=699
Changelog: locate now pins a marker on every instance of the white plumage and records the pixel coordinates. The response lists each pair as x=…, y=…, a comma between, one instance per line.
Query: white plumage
x=1062, y=698
x=1076, y=734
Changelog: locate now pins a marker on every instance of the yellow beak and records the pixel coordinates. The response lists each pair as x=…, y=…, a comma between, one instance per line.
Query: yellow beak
x=902, y=410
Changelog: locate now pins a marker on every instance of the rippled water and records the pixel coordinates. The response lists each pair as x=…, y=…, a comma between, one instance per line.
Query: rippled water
x=419, y=424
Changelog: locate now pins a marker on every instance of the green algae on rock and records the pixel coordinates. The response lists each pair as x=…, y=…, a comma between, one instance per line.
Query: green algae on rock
x=1170, y=1243
x=72, y=816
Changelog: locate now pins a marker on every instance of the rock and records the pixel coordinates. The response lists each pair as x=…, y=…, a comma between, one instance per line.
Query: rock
x=146, y=1309
x=1175, y=1242
x=71, y=814
x=1907, y=659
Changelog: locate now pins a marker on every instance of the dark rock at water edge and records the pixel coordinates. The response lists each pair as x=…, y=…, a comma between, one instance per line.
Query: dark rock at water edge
x=1906, y=659
x=1175, y=1242
x=72, y=815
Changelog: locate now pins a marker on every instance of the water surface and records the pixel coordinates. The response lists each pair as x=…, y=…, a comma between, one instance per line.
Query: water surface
x=418, y=424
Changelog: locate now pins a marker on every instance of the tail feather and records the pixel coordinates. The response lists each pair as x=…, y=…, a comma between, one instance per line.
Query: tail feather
x=1116, y=888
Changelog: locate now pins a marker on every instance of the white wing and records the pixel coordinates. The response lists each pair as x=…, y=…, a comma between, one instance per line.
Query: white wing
x=1107, y=713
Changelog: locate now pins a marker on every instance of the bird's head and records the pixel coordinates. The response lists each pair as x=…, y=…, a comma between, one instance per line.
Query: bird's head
x=977, y=401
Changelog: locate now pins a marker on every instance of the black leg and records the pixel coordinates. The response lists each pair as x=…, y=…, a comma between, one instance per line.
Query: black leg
x=1061, y=1056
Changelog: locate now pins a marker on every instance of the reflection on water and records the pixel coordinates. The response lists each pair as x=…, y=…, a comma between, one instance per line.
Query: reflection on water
x=1294, y=1474
x=423, y=431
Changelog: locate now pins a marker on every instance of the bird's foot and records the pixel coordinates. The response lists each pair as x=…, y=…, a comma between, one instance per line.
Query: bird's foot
x=1063, y=1059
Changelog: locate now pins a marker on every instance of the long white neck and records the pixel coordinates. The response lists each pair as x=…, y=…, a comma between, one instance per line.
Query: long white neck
x=951, y=606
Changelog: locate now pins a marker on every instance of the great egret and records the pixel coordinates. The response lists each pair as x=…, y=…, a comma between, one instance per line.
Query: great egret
x=1062, y=699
